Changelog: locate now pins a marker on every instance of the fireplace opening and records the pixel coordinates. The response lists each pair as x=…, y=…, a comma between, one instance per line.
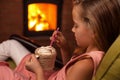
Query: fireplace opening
x=41, y=17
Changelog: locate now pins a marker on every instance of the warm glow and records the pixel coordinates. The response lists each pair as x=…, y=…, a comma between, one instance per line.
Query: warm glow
x=42, y=16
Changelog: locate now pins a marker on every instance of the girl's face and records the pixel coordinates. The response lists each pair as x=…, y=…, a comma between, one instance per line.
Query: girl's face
x=82, y=33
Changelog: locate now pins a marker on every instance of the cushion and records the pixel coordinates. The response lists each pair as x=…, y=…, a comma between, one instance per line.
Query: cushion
x=109, y=68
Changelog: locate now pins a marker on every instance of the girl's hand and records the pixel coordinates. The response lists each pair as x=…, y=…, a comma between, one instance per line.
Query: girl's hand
x=59, y=39
x=33, y=65
x=62, y=43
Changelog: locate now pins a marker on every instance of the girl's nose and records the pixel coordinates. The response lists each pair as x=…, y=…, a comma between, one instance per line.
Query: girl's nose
x=73, y=29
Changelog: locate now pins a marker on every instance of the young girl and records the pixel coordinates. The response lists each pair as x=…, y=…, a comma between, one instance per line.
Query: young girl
x=96, y=26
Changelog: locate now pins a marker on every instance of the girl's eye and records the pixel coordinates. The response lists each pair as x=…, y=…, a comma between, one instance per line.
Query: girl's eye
x=75, y=26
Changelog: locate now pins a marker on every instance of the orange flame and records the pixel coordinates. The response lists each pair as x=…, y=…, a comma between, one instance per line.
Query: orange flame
x=42, y=16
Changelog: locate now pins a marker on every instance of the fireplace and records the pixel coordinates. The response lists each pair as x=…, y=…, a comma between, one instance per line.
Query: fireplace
x=41, y=17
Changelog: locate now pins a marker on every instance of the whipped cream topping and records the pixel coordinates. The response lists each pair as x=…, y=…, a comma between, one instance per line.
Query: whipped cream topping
x=45, y=50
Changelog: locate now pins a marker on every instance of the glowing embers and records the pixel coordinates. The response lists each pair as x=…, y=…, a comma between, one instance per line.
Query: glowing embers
x=42, y=17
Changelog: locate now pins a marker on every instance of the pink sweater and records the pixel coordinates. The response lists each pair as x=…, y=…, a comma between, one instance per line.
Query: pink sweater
x=20, y=73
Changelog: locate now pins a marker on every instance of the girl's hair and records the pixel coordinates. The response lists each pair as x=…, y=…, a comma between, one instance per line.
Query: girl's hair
x=103, y=17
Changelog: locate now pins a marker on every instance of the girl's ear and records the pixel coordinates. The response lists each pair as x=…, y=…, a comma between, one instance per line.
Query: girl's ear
x=93, y=34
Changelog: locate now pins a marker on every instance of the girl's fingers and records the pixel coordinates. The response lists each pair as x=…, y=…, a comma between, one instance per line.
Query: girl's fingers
x=30, y=59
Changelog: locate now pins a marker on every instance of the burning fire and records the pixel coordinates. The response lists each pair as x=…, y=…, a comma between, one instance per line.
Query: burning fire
x=42, y=16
